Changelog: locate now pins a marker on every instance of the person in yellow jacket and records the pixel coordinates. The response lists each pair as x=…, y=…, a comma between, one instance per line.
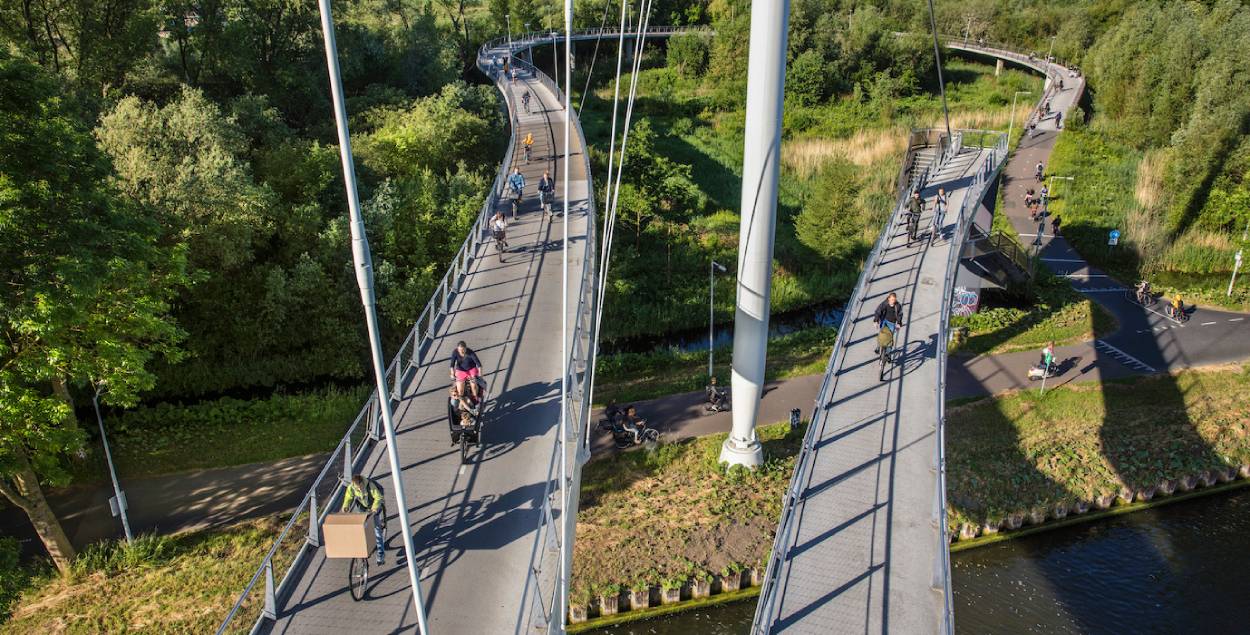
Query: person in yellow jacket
x=364, y=495
x=529, y=145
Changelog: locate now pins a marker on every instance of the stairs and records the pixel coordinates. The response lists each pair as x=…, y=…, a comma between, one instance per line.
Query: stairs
x=998, y=258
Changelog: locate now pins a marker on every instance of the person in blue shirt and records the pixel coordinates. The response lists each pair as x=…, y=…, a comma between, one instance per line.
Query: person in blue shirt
x=516, y=182
x=364, y=495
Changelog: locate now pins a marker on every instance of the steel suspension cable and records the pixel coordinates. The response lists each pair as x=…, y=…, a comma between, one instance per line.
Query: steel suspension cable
x=564, y=318
x=595, y=56
x=614, y=189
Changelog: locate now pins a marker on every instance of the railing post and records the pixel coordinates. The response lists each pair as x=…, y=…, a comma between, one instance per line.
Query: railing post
x=314, y=527
x=399, y=374
x=347, y=460
x=270, y=611
x=416, y=348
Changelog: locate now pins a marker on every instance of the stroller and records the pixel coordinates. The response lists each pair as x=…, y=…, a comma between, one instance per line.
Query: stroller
x=463, y=435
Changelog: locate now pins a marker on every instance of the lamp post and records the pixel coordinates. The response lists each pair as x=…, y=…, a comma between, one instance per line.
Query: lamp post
x=711, y=312
x=1237, y=259
x=118, y=496
x=1012, y=124
x=363, y=265
x=1048, y=56
x=508, y=17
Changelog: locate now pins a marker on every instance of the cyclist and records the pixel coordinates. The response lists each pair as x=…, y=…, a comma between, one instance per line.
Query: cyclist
x=1177, y=308
x=546, y=189
x=1143, y=292
x=888, y=316
x=525, y=100
x=1048, y=357
x=498, y=226
x=516, y=183
x=365, y=495
x=465, y=366
x=529, y=146
x=715, y=396
x=1037, y=172
x=633, y=424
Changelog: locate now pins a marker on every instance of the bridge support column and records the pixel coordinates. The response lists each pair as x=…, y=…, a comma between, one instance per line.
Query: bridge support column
x=766, y=77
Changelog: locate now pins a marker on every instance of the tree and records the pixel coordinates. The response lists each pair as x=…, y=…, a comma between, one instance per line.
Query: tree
x=88, y=297
x=687, y=54
x=807, y=80
x=829, y=222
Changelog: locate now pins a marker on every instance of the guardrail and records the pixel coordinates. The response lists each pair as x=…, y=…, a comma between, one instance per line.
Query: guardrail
x=360, y=439
x=767, y=606
x=530, y=39
x=983, y=178
x=577, y=404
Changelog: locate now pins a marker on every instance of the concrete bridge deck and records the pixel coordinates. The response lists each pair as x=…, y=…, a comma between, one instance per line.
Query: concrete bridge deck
x=476, y=526
x=863, y=548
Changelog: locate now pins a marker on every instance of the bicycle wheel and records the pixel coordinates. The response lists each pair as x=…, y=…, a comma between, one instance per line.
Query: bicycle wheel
x=358, y=577
x=464, y=447
x=651, y=434
x=885, y=359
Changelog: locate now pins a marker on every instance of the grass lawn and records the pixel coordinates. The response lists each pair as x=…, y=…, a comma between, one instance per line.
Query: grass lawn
x=1058, y=313
x=167, y=438
x=630, y=377
x=675, y=513
x=168, y=584
x=1023, y=451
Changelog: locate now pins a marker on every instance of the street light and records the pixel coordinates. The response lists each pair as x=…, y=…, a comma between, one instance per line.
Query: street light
x=711, y=312
x=1012, y=124
x=1048, y=56
x=118, y=504
x=1237, y=258
x=508, y=17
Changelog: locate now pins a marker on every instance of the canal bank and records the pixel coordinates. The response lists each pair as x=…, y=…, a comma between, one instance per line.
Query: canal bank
x=1175, y=568
x=658, y=522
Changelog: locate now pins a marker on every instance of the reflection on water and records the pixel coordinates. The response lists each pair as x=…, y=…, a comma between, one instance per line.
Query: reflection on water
x=1175, y=569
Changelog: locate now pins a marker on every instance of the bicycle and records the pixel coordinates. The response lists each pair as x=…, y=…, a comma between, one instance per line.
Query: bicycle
x=886, y=353
x=529, y=153
x=1139, y=297
x=516, y=203
x=544, y=200
x=358, y=577
x=501, y=245
x=1178, y=314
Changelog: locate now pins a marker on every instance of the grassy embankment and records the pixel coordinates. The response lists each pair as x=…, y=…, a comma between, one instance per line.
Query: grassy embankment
x=1119, y=187
x=168, y=438
x=669, y=517
x=161, y=584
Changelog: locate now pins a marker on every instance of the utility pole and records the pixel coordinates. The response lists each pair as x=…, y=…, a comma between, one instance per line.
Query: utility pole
x=937, y=57
x=1237, y=259
x=1012, y=124
x=364, y=279
x=1048, y=53
x=118, y=495
x=508, y=17
x=711, y=312
x=766, y=76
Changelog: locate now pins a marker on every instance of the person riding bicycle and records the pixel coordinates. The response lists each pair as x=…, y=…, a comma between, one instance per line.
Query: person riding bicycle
x=888, y=317
x=633, y=424
x=1143, y=292
x=716, y=396
x=1048, y=357
x=1178, y=307
x=546, y=191
x=465, y=366
x=365, y=495
x=498, y=227
x=915, y=207
x=525, y=99
x=516, y=183
x=1038, y=171
x=529, y=146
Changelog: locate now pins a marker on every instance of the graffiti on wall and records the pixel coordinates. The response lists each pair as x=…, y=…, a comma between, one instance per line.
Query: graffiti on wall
x=965, y=301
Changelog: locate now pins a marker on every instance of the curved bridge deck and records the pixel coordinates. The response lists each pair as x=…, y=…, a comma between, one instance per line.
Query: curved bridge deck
x=476, y=527
x=859, y=551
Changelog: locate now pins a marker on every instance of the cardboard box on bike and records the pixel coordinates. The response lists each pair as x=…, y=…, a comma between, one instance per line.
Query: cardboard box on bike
x=348, y=536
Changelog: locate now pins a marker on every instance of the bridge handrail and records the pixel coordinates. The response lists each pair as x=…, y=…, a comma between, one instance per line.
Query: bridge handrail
x=578, y=417
x=983, y=178
x=767, y=603
x=416, y=344
x=529, y=39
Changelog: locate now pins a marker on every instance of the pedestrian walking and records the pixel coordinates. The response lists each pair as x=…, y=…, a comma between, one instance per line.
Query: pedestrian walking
x=1037, y=172
x=939, y=214
x=1058, y=120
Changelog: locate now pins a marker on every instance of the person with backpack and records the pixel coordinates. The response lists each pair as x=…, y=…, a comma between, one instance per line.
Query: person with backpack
x=915, y=207
x=365, y=495
x=546, y=192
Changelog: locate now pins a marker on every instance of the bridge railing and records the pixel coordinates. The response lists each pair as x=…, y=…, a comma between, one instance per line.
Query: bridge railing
x=546, y=605
x=1052, y=71
x=767, y=607
x=985, y=175
x=530, y=39
x=359, y=440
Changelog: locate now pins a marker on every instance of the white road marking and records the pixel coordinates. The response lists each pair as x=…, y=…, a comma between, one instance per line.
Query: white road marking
x=462, y=469
x=1061, y=259
x=1101, y=290
x=1236, y=319
x=1206, y=323
x=1124, y=358
x=1086, y=275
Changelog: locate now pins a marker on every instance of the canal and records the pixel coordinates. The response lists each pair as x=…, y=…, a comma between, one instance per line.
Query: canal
x=1173, y=569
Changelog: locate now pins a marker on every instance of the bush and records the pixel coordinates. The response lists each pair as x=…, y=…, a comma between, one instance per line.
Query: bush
x=13, y=577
